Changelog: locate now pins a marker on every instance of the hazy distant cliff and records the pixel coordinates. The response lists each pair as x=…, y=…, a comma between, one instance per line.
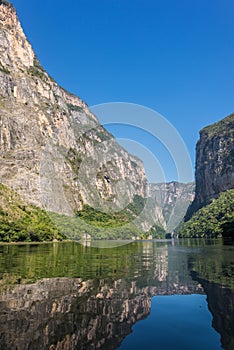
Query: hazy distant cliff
x=174, y=199
x=214, y=163
x=53, y=151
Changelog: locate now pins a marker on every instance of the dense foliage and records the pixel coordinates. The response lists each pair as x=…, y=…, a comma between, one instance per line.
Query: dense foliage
x=21, y=222
x=213, y=220
x=101, y=219
x=156, y=232
x=101, y=225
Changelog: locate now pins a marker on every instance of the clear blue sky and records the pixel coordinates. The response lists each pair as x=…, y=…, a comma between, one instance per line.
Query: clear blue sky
x=174, y=56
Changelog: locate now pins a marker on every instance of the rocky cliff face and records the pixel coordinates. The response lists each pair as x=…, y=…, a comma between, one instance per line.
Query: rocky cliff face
x=214, y=163
x=174, y=199
x=53, y=151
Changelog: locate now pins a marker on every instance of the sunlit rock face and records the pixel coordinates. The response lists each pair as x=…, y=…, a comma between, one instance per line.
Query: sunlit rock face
x=53, y=151
x=214, y=162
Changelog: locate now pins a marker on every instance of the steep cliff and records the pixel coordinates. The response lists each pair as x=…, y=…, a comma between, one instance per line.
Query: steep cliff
x=214, y=163
x=174, y=199
x=53, y=151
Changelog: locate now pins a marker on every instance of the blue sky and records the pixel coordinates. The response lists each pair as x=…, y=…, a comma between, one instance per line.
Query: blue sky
x=173, y=56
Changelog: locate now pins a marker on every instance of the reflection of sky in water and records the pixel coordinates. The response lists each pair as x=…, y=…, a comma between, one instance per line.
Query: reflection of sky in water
x=67, y=284
x=178, y=322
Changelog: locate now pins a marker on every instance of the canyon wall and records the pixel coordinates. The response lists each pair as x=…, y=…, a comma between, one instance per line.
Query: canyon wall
x=53, y=151
x=214, y=163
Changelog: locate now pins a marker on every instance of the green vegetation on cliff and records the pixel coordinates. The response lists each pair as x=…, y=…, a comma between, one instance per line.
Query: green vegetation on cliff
x=225, y=125
x=22, y=222
x=116, y=219
x=213, y=220
x=101, y=225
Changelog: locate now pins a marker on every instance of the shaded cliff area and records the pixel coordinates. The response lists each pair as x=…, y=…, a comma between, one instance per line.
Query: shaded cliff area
x=214, y=163
x=212, y=211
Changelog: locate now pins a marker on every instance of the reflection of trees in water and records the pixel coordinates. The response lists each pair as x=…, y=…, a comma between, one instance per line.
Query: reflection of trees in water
x=113, y=291
x=214, y=271
x=59, y=312
x=81, y=313
x=221, y=304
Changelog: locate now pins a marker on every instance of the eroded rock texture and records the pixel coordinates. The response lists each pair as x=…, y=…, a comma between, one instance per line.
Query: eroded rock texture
x=53, y=151
x=214, y=163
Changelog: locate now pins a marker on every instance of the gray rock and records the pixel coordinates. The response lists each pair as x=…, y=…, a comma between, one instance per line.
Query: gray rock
x=214, y=163
x=173, y=198
x=54, y=152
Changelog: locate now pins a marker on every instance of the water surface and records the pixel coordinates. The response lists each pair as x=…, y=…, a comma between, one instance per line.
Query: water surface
x=164, y=295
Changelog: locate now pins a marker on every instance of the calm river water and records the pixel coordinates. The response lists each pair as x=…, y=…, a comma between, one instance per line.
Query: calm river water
x=142, y=295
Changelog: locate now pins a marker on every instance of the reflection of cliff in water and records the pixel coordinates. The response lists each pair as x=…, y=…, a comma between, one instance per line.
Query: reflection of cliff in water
x=69, y=314
x=78, y=313
x=214, y=271
x=221, y=304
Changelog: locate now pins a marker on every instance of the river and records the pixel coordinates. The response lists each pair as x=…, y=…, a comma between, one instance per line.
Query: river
x=172, y=294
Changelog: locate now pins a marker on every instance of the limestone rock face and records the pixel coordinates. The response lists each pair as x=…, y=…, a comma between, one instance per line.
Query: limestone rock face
x=173, y=198
x=214, y=163
x=53, y=151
